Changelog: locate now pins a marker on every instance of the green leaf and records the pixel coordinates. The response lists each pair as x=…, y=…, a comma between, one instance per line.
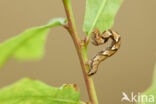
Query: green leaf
x=29, y=45
x=100, y=14
x=29, y=91
x=154, y=79
x=151, y=92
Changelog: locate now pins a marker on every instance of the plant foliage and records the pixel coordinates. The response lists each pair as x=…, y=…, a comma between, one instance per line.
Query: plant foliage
x=151, y=90
x=28, y=91
x=100, y=14
x=29, y=44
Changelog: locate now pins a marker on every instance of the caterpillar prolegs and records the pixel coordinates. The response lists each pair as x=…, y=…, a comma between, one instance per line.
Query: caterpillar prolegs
x=99, y=39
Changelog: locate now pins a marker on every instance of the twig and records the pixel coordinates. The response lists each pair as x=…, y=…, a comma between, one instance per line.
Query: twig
x=81, y=51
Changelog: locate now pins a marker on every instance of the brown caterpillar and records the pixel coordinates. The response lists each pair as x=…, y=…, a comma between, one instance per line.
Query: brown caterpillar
x=99, y=39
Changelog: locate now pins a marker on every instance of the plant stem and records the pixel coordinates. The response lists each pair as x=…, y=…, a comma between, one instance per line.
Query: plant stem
x=81, y=51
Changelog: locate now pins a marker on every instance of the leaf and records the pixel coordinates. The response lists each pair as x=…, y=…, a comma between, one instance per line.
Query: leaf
x=29, y=45
x=100, y=14
x=154, y=79
x=29, y=91
x=151, y=92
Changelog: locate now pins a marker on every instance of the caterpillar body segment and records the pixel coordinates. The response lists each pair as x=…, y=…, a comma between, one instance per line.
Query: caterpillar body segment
x=100, y=39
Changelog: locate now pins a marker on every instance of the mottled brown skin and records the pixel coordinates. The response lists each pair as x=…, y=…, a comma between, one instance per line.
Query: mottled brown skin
x=99, y=39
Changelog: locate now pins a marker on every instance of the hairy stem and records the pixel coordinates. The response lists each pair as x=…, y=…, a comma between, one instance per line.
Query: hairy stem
x=81, y=51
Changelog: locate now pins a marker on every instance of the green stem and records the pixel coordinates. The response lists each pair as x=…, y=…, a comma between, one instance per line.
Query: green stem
x=81, y=51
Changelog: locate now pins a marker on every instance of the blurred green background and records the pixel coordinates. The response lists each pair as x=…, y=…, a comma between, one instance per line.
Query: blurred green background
x=131, y=69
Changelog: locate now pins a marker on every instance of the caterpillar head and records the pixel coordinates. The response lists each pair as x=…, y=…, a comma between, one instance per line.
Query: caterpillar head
x=99, y=39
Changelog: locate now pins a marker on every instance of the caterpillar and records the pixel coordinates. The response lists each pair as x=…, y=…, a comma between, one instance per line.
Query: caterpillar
x=99, y=39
